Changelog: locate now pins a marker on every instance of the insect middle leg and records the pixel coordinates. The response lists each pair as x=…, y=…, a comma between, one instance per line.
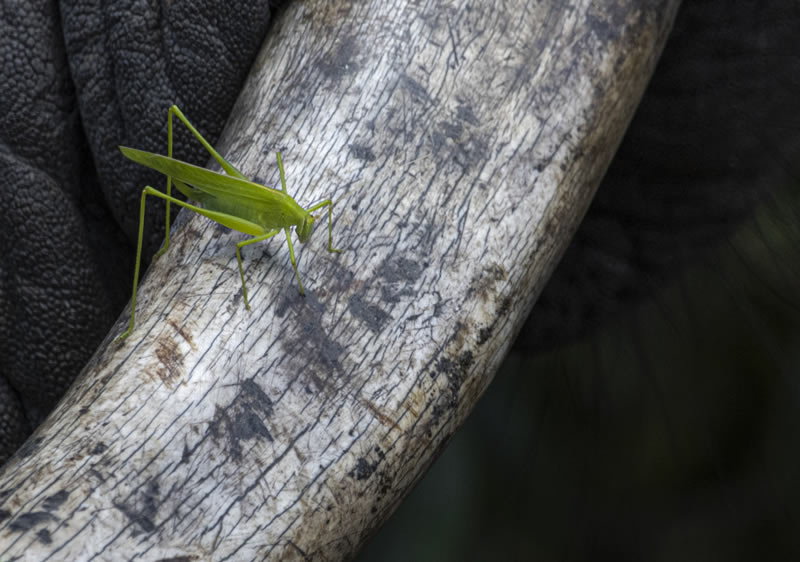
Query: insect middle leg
x=291, y=256
x=241, y=245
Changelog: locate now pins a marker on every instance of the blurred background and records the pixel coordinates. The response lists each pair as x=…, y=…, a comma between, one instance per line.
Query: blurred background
x=670, y=434
x=650, y=408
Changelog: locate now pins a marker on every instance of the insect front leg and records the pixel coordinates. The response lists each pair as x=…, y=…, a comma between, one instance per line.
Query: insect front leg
x=241, y=245
x=330, y=222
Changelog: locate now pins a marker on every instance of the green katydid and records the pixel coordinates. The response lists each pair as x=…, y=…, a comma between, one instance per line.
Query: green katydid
x=231, y=200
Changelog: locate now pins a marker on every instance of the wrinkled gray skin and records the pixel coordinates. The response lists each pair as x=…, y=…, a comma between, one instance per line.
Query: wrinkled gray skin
x=718, y=126
x=79, y=78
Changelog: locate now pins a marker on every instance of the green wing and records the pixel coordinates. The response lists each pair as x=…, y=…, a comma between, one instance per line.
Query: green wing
x=219, y=186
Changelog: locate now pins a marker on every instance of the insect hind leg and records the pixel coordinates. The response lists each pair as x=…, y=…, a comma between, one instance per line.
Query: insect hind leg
x=227, y=166
x=145, y=192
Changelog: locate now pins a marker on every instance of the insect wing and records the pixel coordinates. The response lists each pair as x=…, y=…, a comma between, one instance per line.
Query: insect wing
x=213, y=183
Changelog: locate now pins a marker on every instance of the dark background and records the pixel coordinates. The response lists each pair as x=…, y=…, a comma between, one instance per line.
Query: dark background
x=670, y=434
x=650, y=408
